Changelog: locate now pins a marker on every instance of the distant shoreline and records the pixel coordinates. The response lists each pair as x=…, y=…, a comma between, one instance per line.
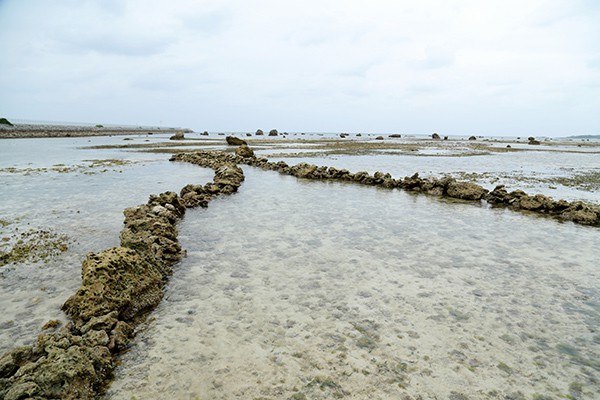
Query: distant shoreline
x=52, y=131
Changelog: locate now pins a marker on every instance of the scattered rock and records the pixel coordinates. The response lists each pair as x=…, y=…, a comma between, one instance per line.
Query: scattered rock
x=395, y=135
x=472, y=138
x=233, y=141
x=435, y=136
x=177, y=136
x=259, y=132
x=379, y=138
x=273, y=132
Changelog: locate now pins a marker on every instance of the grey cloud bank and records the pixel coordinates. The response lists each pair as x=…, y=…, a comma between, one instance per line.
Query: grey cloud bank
x=492, y=68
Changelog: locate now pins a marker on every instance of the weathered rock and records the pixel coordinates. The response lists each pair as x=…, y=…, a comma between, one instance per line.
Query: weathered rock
x=395, y=135
x=233, y=141
x=205, y=133
x=117, y=279
x=244, y=151
x=465, y=190
x=472, y=138
x=534, y=142
x=178, y=136
x=273, y=132
x=379, y=138
x=259, y=132
x=435, y=136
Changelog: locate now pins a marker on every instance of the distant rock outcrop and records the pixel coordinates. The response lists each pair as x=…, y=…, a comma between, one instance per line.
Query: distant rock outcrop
x=273, y=132
x=472, y=138
x=435, y=136
x=178, y=136
x=4, y=121
x=259, y=132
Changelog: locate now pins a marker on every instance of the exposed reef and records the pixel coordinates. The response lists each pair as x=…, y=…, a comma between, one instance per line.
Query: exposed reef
x=576, y=211
x=120, y=286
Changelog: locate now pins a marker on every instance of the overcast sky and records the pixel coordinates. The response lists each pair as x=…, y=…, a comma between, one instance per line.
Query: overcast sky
x=455, y=67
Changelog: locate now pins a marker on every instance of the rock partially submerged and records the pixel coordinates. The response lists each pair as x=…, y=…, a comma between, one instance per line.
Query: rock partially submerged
x=435, y=136
x=244, y=151
x=120, y=286
x=177, y=136
x=578, y=212
x=273, y=132
x=259, y=132
x=233, y=141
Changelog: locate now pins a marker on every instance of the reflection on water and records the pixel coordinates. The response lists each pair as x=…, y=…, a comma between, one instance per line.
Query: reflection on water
x=313, y=290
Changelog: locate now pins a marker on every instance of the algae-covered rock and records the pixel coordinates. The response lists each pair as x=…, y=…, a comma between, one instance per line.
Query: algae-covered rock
x=465, y=190
x=117, y=279
x=233, y=141
x=244, y=151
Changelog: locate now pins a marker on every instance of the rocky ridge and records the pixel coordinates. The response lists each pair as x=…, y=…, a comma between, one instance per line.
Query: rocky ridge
x=120, y=286
x=576, y=211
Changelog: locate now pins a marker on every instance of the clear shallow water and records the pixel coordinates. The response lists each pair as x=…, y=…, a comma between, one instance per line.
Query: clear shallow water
x=504, y=168
x=338, y=290
x=87, y=208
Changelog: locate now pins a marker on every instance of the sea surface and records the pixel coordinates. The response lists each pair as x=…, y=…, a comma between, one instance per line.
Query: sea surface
x=299, y=289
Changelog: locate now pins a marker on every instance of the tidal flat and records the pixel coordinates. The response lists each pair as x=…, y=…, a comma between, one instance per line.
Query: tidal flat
x=302, y=289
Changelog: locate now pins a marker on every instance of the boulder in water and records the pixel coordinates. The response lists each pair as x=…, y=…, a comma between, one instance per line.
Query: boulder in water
x=233, y=141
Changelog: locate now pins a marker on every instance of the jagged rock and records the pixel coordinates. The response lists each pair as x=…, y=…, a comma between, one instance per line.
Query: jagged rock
x=273, y=132
x=244, y=151
x=178, y=136
x=117, y=279
x=582, y=213
x=465, y=190
x=233, y=141
x=259, y=132
x=435, y=136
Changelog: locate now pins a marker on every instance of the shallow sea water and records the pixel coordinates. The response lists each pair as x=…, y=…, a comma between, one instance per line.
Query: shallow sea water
x=332, y=290
x=87, y=208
